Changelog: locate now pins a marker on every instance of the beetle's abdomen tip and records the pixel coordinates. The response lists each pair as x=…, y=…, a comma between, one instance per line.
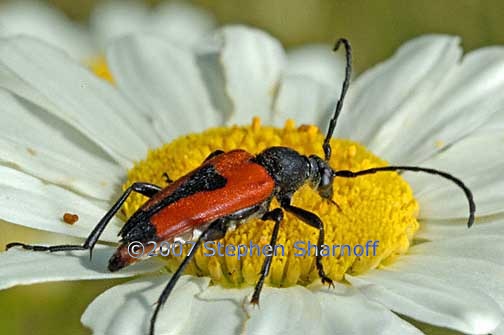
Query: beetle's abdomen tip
x=115, y=263
x=120, y=259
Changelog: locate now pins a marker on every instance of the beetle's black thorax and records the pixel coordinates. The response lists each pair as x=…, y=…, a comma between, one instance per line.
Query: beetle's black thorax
x=287, y=167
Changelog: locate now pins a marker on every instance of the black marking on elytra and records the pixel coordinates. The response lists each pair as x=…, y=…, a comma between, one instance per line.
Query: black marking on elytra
x=139, y=227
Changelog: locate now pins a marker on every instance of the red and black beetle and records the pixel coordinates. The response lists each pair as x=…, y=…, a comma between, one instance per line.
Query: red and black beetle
x=228, y=188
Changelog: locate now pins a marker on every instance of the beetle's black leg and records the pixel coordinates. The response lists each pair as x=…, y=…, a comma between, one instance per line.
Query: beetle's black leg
x=314, y=221
x=277, y=216
x=167, y=178
x=215, y=231
x=213, y=154
x=143, y=188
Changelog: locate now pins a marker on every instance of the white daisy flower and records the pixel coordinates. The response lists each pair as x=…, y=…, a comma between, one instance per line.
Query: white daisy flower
x=425, y=106
x=179, y=21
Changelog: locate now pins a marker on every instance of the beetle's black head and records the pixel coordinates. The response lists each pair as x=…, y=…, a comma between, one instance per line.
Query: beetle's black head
x=291, y=170
x=321, y=176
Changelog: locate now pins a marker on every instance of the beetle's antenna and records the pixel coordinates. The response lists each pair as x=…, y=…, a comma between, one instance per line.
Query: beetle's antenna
x=348, y=72
x=467, y=191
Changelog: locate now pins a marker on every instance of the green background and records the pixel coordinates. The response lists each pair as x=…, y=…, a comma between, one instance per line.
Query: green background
x=375, y=28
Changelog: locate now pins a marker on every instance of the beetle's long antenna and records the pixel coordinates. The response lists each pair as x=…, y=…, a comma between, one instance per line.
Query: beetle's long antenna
x=467, y=191
x=348, y=72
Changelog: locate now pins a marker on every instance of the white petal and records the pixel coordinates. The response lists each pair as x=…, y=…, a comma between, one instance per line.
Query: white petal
x=45, y=76
x=431, y=300
x=163, y=79
x=445, y=229
x=252, y=62
x=27, y=201
x=302, y=99
x=38, y=19
x=347, y=311
x=409, y=76
x=496, y=121
x=499, y=330
x=22, y=267
x=112, y=19
x=292, y=310
x=461, y=102
x=486, y=248
x=478, y=161
x=181, y=22
x=469, y=273
x=48, y=153
x=318, y=62
x=218, y=311
x=127, y=309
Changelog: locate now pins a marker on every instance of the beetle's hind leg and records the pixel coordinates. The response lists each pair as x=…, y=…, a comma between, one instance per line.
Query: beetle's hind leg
x=277, y=216
x=143, y=188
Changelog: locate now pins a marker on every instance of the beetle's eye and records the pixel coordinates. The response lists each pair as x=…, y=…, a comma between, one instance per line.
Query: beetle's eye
x=326, y=177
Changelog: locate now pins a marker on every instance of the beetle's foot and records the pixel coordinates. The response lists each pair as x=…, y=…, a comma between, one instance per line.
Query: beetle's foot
x=327, y=281
x=255, y=302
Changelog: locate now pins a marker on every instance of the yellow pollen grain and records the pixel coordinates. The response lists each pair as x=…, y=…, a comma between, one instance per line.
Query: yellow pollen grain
x=378, y=207
x=439, y=144
x=98, y=65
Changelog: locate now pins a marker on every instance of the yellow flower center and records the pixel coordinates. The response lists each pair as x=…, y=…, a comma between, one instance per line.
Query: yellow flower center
x=378, y=207
x=98, y=65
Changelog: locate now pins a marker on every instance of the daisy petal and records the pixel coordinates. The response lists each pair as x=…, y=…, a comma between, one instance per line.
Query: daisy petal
x=481, y=171
x=343, y=306
x=318, y=62
x=126, y=309
x=431, y=300
x=112, y=19
x=181, y=22
x=462, y=102
x=377, y=95
x=216, y=303
x=145, y=66
x=446, y=229
x=478, y=274
x=40, y=20
x=22, y=267
x=296, y=311
x=302, y=99
x=27, y=201
x=499, y=330
x=49, y=154
x=252, y=63
x=485, y=248
x=47, y=77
